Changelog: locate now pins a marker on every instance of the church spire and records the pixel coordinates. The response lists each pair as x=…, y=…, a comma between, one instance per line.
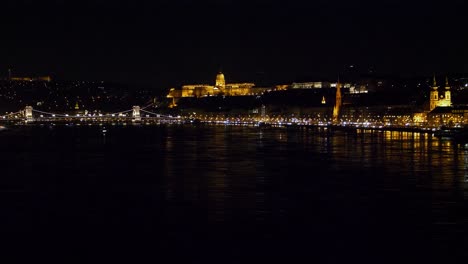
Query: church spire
x=337, y=107
x=434, y=95
x=448, y=95
x=434, y=83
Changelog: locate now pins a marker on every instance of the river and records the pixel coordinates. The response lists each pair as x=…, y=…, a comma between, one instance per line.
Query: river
x=233, y=194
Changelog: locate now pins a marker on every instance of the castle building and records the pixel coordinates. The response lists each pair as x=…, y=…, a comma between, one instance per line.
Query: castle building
x=220, y=88
x=220, y=82
x=440, y=100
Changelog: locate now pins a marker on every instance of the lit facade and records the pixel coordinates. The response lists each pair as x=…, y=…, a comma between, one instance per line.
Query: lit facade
x=197, y=90
x=31, y=79
x=220, y=88
x=220, y=81
x=310, y=85
x=448, y=116
x=320, y=85
x=437, y=99
x=238, y=89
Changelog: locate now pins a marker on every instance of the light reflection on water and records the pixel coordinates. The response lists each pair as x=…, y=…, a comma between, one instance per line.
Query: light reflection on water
x=234, y=184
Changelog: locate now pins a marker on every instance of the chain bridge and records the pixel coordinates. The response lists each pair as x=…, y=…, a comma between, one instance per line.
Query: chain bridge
x=135, y=114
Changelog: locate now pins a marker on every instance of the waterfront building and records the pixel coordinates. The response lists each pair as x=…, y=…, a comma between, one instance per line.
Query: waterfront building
x=448, y=116
x=437, y=99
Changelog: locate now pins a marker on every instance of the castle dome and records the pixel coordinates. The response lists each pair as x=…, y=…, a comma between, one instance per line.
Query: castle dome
x=220, y=82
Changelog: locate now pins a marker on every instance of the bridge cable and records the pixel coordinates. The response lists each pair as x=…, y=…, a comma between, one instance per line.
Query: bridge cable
x=158, y=114
x=48, y=113
x=118, y=113
x=10, y=114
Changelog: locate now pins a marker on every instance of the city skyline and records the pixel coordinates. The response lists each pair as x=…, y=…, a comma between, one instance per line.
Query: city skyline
x=166, y=44
x=234, y=131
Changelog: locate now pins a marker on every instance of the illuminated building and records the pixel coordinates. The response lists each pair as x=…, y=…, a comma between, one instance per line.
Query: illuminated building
x=448, y=116
x=31, y=79
x=419, y=118
x=173, y=94
x=220, y=82
x=358, y=89
x=198, y=90
x=238, y=89
x=281, y=87
x=440, y=100
x=220, y=88
x=336, y=108
x=310, y=85
x=320, y=85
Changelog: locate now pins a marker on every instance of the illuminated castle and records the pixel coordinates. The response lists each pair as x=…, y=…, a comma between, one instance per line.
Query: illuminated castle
x=443, y=100
x=220, y=82
x=220, y=88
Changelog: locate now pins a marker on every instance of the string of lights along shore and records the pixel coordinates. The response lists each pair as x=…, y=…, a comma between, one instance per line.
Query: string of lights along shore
x=368, y=102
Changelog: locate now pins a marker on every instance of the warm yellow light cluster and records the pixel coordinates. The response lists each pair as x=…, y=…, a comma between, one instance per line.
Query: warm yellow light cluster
x=419, y=118
x=31, y=79
x=436, y=100
x=220, y=88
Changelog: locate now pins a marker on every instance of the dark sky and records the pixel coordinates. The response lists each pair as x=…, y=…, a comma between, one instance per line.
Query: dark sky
x=166, y=43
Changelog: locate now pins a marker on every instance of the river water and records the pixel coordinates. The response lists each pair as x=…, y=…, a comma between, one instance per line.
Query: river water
x=227, y=194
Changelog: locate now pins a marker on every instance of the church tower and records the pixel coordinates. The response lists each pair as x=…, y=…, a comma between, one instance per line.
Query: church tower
x=447, y=97
x=336, y=108
x=434, y=95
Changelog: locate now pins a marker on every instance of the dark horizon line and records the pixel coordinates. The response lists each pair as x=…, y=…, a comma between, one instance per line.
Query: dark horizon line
x=346, y=76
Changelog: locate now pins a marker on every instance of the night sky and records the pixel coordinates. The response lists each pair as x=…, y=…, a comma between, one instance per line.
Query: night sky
x=163, y=44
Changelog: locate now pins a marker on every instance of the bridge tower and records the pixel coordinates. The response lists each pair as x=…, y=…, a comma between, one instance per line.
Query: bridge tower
x=136, y=114
x=28, y=114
